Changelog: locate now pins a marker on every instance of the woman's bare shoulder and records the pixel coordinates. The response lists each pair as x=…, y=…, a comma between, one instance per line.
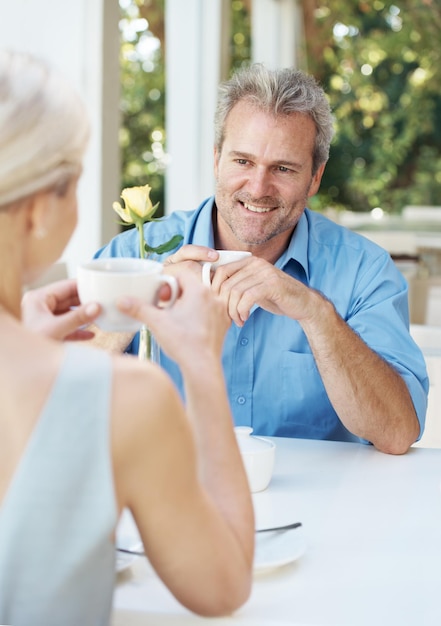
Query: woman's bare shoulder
x=145, y=402
x=138, y=382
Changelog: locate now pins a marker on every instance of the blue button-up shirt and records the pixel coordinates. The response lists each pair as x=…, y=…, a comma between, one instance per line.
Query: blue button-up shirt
x=272, y=379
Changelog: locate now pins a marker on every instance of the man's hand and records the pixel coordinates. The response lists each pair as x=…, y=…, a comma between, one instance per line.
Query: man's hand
x=254, y=281
x=55, y=311
x=248, y=282
x=189, y=257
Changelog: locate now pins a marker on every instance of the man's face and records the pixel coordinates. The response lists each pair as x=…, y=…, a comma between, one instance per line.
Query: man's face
x=263, y=178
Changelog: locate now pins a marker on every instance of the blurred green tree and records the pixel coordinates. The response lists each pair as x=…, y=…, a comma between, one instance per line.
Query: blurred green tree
x=142, y=134
x=380, y=64
x=240, y=36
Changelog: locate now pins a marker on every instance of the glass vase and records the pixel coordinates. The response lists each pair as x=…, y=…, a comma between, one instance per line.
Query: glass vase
x=148, y=349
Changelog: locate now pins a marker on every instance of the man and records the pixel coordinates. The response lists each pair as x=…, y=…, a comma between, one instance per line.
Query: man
x=320, y=347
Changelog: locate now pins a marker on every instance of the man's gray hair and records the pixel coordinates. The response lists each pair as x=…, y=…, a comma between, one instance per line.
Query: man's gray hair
x=44, y=128
x=279, y=92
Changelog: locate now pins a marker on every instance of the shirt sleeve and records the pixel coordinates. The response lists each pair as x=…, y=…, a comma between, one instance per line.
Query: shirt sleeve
x=380, y=316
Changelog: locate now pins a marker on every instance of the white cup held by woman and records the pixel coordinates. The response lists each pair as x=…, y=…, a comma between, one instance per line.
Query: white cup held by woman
x=107, y=280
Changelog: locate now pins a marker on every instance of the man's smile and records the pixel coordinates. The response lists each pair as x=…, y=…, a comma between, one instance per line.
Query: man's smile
x=257, y=209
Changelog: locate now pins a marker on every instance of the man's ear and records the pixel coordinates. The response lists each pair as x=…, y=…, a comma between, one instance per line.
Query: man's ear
x=216, y=155
x=316, y=180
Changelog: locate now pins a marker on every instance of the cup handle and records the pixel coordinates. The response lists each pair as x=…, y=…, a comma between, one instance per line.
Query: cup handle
x=173, y=284
x=206, y=273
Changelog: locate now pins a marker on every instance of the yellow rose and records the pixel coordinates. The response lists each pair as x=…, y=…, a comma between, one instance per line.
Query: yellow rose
x=138, y=210
x=138, y=206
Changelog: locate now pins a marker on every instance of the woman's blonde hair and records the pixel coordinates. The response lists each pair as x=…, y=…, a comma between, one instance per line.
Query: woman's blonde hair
x=44, y=127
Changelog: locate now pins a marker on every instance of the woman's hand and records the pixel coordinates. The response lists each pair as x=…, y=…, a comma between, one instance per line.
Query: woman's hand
x=194, y=325
x=55, y=311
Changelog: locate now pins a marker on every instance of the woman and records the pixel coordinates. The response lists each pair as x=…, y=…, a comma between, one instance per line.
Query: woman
x=85, y=434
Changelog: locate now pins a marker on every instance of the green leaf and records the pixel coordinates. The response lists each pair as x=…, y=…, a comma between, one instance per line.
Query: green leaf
x=121, y=223
x=158, y=219
x=165, y=247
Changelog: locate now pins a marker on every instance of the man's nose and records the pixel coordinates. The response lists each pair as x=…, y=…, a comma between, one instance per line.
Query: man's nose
x=259, y=182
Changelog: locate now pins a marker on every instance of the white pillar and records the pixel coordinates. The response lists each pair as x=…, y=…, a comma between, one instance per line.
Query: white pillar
x=81, y=37
x=276, y=32
x=196, y=35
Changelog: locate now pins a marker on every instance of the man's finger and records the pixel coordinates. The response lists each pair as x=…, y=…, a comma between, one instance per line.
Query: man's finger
x=191, y=252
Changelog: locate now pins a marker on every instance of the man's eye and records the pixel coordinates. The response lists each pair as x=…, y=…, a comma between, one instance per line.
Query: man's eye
x=241, y=161
x=282, y=168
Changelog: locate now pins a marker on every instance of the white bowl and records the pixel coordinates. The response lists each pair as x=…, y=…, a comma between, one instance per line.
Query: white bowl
x=258, y=456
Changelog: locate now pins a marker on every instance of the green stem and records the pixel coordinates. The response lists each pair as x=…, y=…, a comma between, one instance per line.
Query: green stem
x=145, y=344
x=142, y=252
x=145, y=336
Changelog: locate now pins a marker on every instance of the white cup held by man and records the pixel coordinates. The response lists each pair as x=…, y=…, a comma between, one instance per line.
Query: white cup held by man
x=107, y=280
x=225, y=257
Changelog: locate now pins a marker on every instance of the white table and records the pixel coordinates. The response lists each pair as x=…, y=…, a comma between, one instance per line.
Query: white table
x=373, y=558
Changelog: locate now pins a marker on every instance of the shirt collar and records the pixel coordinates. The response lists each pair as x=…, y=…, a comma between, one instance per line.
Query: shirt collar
x=203, y=229
x=297, y=250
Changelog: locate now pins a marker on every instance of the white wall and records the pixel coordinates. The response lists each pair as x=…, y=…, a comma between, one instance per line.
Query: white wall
x=196, y=32
x=277, y=32
x=71, y=35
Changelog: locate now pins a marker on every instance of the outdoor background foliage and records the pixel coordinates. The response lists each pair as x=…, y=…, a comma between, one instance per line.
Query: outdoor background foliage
x=380, y=64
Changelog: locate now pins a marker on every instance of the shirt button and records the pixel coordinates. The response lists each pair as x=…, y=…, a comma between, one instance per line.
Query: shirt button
x=244, y=341
x=241, y=400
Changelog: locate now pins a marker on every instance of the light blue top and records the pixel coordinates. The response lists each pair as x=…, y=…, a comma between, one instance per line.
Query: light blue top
x=273, y=382
x=57, y=559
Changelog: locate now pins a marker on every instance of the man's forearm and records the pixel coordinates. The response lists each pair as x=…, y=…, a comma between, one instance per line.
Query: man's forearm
x=368, y=395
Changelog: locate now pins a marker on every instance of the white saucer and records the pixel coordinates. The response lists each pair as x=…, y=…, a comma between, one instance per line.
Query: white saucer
x=123, y=559
x=274, y=549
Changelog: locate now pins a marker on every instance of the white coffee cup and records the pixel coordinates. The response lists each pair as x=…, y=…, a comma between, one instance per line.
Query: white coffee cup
x=225, y=256
x=107, y=280
x=258, y=456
